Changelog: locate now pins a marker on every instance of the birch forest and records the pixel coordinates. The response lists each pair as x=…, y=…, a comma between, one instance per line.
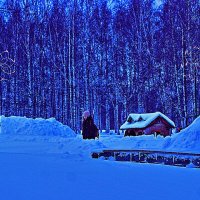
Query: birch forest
x=112, y=57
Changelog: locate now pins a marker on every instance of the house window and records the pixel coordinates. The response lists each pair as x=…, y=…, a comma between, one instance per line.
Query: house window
x=130, y=120
x=140, y=119
x=158, y=122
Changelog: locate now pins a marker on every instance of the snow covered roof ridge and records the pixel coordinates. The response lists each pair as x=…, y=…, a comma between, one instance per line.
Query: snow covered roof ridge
x=142, y=120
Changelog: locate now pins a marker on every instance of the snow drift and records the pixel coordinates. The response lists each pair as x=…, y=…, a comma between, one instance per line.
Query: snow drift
x=27, y=126
x=188, y=139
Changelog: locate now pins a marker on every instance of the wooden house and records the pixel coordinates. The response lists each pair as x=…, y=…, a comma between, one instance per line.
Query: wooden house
x=147, y=124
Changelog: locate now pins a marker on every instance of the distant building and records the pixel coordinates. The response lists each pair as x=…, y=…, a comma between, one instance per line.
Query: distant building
x=147, y=124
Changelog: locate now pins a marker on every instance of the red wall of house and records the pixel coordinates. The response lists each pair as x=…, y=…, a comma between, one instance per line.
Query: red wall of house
x=159, y=126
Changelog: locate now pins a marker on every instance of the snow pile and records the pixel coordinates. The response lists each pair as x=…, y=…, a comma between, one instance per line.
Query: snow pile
x=28, y=126
x=187, y=140
x=37, y=136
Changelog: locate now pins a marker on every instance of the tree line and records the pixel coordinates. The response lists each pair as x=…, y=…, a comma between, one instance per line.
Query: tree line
x=109, y=57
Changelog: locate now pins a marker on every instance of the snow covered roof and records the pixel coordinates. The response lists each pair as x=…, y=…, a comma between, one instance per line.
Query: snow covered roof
x=143, y=120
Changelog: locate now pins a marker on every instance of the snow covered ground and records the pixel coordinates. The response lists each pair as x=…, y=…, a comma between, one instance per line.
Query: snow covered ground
x=60, y=177
x=58, y=166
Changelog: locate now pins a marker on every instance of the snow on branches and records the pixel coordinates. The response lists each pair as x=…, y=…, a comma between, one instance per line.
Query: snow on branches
x=6, y=65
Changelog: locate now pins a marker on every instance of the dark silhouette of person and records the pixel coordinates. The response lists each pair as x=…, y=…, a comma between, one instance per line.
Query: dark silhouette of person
x=89, y=129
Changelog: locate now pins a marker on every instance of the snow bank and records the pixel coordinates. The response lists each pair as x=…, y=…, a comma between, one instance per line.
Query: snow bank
x=16, y=132
x=27, y=126
x=37, y=136
x=187, y=140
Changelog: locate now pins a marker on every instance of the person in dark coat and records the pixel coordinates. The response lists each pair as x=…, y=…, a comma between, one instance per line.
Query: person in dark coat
x=89, y=129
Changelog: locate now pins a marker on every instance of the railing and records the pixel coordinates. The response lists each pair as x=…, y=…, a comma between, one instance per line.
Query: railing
x=149, y=156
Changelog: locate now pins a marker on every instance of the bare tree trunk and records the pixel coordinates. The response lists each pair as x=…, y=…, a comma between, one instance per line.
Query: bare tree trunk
x=107, y=116
x=73, y=72
x=184, y=84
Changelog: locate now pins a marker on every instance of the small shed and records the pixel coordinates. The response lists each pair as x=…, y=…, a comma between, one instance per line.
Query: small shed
x=147, y=124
